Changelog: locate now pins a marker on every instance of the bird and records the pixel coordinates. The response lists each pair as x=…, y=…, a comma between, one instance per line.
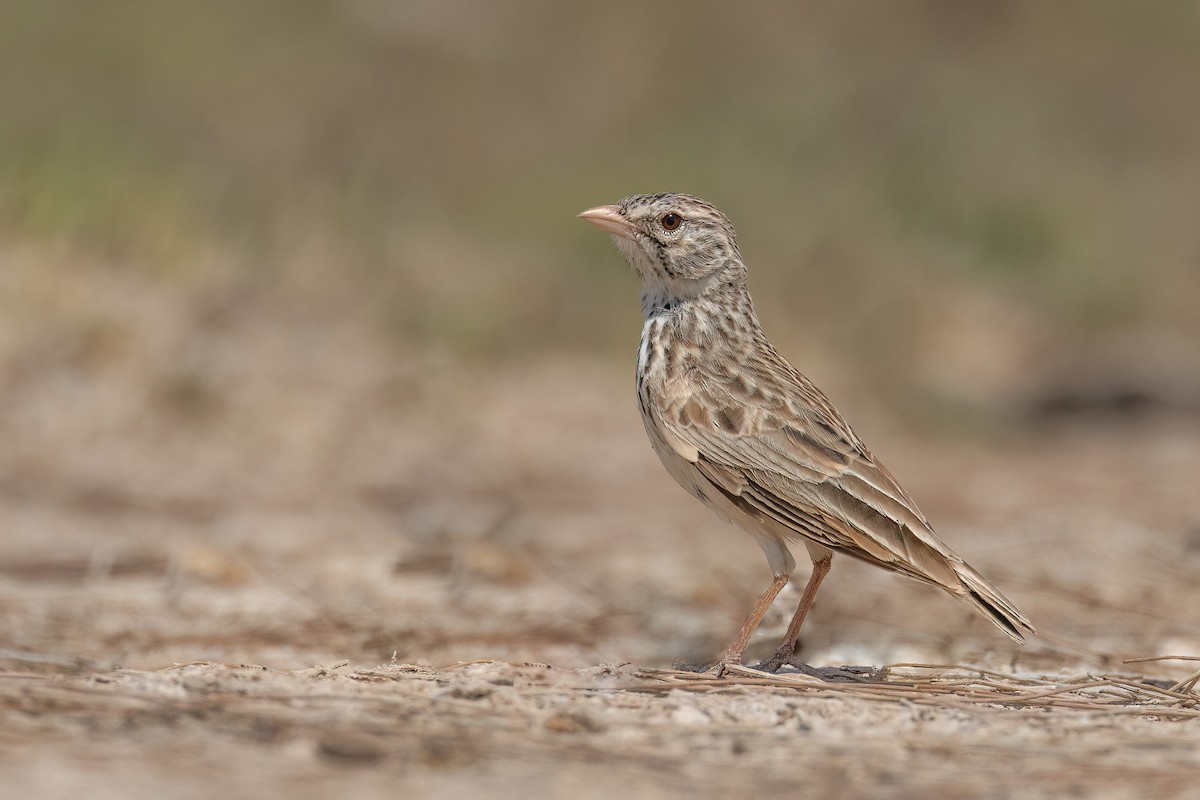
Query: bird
x=743, y=431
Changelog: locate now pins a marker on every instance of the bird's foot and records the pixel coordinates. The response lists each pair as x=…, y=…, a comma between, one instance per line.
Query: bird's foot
x=851, y=674
x=721, y=668
x=717, y=670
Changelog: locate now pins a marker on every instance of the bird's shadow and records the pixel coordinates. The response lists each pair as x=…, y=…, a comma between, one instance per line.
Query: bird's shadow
x=776, y=666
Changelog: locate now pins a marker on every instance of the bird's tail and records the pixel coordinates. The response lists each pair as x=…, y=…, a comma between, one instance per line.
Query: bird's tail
x=996, y=607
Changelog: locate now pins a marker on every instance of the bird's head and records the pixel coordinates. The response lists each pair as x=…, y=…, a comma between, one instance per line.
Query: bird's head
x=678, y=244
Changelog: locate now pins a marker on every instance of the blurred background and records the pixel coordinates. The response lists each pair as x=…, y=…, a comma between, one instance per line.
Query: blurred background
x=946, y=197
x=303, y=353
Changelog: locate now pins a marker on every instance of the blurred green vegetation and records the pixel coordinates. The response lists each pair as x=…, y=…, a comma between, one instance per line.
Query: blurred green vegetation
x=420, y=163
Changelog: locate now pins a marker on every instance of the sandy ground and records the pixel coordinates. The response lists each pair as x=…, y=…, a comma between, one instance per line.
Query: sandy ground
x=243, y=557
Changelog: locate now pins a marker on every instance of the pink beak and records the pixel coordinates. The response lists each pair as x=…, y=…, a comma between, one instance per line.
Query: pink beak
x=609, y=219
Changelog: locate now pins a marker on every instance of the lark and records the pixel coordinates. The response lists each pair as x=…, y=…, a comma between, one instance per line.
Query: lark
x=743, y=431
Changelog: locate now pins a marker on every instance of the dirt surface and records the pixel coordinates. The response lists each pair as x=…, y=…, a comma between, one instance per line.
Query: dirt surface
x=274, y=560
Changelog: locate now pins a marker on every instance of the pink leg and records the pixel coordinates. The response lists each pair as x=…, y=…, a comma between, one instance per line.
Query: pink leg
x=820, y=569
x=733, y=653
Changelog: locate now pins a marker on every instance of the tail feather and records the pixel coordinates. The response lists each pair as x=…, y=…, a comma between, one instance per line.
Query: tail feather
x=995, y=606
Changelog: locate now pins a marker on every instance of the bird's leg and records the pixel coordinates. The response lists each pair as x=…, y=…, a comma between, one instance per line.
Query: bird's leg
x=786, y=654
x=787, y=650
x=733, y=653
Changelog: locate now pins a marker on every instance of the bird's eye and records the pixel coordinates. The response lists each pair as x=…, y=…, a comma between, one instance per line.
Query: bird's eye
x=671, y=221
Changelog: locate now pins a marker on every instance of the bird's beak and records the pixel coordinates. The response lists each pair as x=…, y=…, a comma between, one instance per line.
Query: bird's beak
x=609, y=219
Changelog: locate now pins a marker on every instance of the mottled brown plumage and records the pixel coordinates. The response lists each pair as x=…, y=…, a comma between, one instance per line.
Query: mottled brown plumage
x=742, y=430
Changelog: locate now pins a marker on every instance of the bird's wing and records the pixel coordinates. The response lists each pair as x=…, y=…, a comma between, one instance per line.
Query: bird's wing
x=775, y=442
